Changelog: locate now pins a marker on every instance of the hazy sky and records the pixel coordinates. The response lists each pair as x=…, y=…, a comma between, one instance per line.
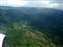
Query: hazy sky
x=33, y=3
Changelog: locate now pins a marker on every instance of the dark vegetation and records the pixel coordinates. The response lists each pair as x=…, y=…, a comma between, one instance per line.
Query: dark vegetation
x=25, y=25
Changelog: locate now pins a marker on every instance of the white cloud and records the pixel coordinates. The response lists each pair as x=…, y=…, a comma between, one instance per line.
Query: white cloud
x=37, y=3
x=47, y=4
x=12, y=2
x=57, y=1
x=53, y=5
x=31, y=3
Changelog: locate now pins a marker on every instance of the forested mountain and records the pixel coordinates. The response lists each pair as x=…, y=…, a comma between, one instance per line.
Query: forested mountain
x=44, y=19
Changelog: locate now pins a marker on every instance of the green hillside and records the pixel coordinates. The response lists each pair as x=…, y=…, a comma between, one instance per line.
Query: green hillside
x=23, y=35
x=31, y=27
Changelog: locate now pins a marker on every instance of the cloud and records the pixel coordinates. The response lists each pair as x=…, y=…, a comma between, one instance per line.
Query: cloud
x=37, y=3
x=15, y=3
x=56, y=1
x=30, y=3
x=35, y=0
x=58, y=4
x=46, y=4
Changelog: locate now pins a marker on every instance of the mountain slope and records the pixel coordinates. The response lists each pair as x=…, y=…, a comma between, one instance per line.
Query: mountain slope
x=22, y=35
x=44, y=19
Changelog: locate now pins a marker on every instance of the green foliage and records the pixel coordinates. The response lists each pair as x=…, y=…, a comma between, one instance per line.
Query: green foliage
x=22, y=35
